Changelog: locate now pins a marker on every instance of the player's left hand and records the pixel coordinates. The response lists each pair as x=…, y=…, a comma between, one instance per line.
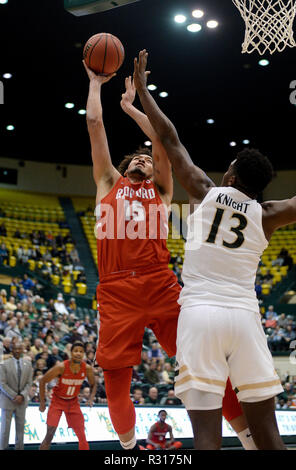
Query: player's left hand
x=140, y=72
x=90, y=402
x=128, y=97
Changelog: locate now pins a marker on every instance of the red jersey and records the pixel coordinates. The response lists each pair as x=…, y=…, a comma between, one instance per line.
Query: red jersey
x=131, y=228
x=158, y=436
x=69, y=384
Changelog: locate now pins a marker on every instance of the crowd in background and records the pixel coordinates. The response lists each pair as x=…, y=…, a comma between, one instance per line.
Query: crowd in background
x=56, y=259
x=47, y=329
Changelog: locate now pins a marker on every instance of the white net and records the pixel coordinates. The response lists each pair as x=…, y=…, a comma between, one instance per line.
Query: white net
x=269, y=24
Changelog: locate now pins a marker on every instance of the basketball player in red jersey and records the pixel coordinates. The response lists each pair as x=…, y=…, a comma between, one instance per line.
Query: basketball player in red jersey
x=136, y=289
x=157, y=435
x=71, y=374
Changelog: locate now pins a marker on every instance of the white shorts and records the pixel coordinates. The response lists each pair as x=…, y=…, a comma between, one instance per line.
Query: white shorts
x=214, y=343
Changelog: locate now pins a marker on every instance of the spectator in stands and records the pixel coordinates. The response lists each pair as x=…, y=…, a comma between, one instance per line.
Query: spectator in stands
x=281, y=404
x=37, y=346
x=155, y=351
x=84, y=395
x=171, y=399
x=168, y=374
x=13, y=330
x=267, y=278
x=151, y=375
x=3, y=254
x=27, y=283
x=3, y=323
x=152, y=398
x=10, y=305
x=275, y=340
x=74, y=336
x=33, y=394
x=60, y=306
x=6, y=348
x=137, y=396
x=60, y=329
x=56, y=356
x=282, y=321
x=288, y=336
x=258, y=289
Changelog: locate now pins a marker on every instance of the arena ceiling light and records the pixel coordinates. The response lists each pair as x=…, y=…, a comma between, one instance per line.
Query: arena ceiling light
x=148, y=143
x=10, y=127
x=194, y=27
x=7, y=76
x=197, y=13
x=163, y=94
x=152, y=87
x=212, y=24
x=246, y=141
x=232, y=144
x=210, y=121
x=3, y=2
x=264, y=62
x=69, y=105
x=180, y=18
x=82, y=111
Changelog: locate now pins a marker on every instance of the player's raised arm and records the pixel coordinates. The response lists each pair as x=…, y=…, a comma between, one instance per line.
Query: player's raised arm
x=103, y=170
x=162, y=167
x=51, y=374
x=192, y=178
x=277, y=214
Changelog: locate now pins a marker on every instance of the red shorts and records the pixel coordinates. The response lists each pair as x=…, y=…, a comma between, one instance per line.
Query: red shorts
x=231, y=407
x=71, y=409
x=130, y=301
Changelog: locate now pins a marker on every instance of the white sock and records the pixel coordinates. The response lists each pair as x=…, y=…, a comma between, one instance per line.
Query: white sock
x=246, y=439
x=129, y=444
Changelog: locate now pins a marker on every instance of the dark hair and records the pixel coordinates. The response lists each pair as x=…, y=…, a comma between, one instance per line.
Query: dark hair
x=123, y=166
x=77, y=343
x=254, y=170
x=162, y=411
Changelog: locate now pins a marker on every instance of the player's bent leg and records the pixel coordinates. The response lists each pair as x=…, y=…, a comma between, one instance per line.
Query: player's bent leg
x=233, y=413
x=45, y=444
x=262, y=423
x=205, y=413
x=121, y=408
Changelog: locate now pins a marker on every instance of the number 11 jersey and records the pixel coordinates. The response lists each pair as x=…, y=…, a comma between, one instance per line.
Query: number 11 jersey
x=225, y=241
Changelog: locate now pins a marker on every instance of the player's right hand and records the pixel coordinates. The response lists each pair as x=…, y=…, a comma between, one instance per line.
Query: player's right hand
x=97, y=77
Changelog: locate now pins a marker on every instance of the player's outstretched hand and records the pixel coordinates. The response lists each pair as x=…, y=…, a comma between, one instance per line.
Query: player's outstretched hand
x=97, y=77
x=128, y=97
x=140, y=72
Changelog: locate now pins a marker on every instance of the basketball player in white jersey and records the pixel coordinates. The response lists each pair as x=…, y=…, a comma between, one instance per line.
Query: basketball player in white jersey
x=219, y=328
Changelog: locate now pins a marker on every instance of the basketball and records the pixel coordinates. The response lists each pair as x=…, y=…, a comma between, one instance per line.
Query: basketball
x=103, y=53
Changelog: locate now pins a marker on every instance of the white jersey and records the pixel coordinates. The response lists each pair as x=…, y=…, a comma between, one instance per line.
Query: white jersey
x=225, y=241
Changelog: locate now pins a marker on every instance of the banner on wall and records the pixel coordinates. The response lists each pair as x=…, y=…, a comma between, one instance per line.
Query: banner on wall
x=98, y=426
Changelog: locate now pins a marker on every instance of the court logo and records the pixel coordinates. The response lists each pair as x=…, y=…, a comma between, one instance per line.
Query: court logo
x=293, y=354
x=1, y=93
x=293, y=94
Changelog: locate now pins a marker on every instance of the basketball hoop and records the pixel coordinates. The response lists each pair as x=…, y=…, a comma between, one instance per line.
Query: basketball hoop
x=269, y=24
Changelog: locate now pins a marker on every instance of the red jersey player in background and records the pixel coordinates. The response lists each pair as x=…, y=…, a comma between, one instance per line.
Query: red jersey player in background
x=71, y=374
x=137, y=289
x=157, y=435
